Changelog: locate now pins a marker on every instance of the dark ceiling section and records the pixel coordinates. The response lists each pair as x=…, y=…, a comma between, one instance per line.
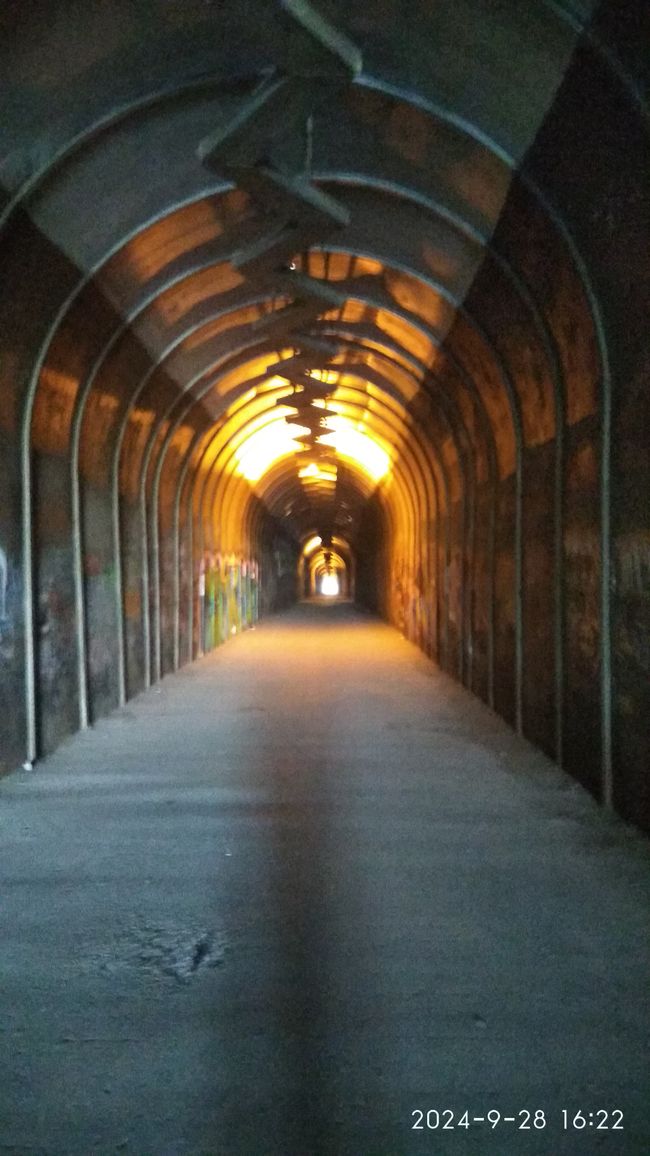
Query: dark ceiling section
x=416, y=232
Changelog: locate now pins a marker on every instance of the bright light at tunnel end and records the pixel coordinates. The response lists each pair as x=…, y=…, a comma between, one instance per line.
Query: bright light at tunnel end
x=329, y=586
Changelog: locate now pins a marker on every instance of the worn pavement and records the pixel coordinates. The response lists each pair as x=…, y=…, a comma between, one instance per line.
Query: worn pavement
x=299, y=892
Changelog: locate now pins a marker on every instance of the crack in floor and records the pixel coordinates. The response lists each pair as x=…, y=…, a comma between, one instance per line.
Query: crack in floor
x=161, y=950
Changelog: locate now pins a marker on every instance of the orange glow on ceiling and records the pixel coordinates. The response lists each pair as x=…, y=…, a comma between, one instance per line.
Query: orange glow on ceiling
x=312, y=544
x=265, y=445
x=351, y=441
x=315, y=473
x=268, y=434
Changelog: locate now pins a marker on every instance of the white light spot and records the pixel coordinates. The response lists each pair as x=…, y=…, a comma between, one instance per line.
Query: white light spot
x=329, y=585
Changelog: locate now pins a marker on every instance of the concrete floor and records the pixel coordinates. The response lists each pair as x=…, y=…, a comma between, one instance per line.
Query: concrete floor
x=303, y=889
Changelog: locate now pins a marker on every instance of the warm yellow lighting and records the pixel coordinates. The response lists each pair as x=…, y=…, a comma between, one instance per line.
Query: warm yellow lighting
x=350, y=442
x=312, y=544
x=277, y=383
x=310, y=471
x=314, y=473
x=329, y=585
x=326, y=376
x=268, y=437
x=267, y=445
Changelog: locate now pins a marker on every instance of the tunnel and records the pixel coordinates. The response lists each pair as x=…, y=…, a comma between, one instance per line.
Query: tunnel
x=334, y=305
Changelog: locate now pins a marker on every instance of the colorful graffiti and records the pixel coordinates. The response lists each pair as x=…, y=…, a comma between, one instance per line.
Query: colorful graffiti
x=228, y=597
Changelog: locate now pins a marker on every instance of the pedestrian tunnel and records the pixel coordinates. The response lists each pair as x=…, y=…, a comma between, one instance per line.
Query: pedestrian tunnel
x=300, y=303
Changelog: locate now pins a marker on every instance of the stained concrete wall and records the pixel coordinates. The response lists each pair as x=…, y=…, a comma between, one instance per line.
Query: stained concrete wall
x=24, y=321
x=594, y=154
x=589, y=348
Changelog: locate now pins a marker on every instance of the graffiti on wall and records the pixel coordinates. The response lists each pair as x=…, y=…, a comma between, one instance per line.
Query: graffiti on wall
x=228, y=597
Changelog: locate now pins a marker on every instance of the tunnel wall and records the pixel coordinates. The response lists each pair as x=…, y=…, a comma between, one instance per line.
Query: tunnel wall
x=226, y=595
x=492, y=279
x=581, y=688
x=596, y=155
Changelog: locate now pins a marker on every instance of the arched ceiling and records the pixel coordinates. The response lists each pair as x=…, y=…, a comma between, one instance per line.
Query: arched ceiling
x=424, y=224
x=271, y=196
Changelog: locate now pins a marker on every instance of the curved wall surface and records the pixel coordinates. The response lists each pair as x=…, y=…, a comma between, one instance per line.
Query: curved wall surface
x=377, y=276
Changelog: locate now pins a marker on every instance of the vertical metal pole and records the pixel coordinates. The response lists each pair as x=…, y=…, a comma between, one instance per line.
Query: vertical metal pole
x=445, y=585
x=491, y=563
x=469, y=579
x=77, y=533
x=177, y=551
x=146, y=608
x=190, y=533
x=488, y=434
x=176, y=580
x=27, y=532
x=607, y=782
x=605, y=590
x=28, y=580
x=150, y=575
x=190, y=607
x=435, y=547
x=515, y=412
x=119, y=581
x=519, y=587
x=155, y=570
x=464, y=475
x=27, y=545
x=461, y=581
x=558, y=580
x=78, y=576
x=550, y=348
x=77, y=537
